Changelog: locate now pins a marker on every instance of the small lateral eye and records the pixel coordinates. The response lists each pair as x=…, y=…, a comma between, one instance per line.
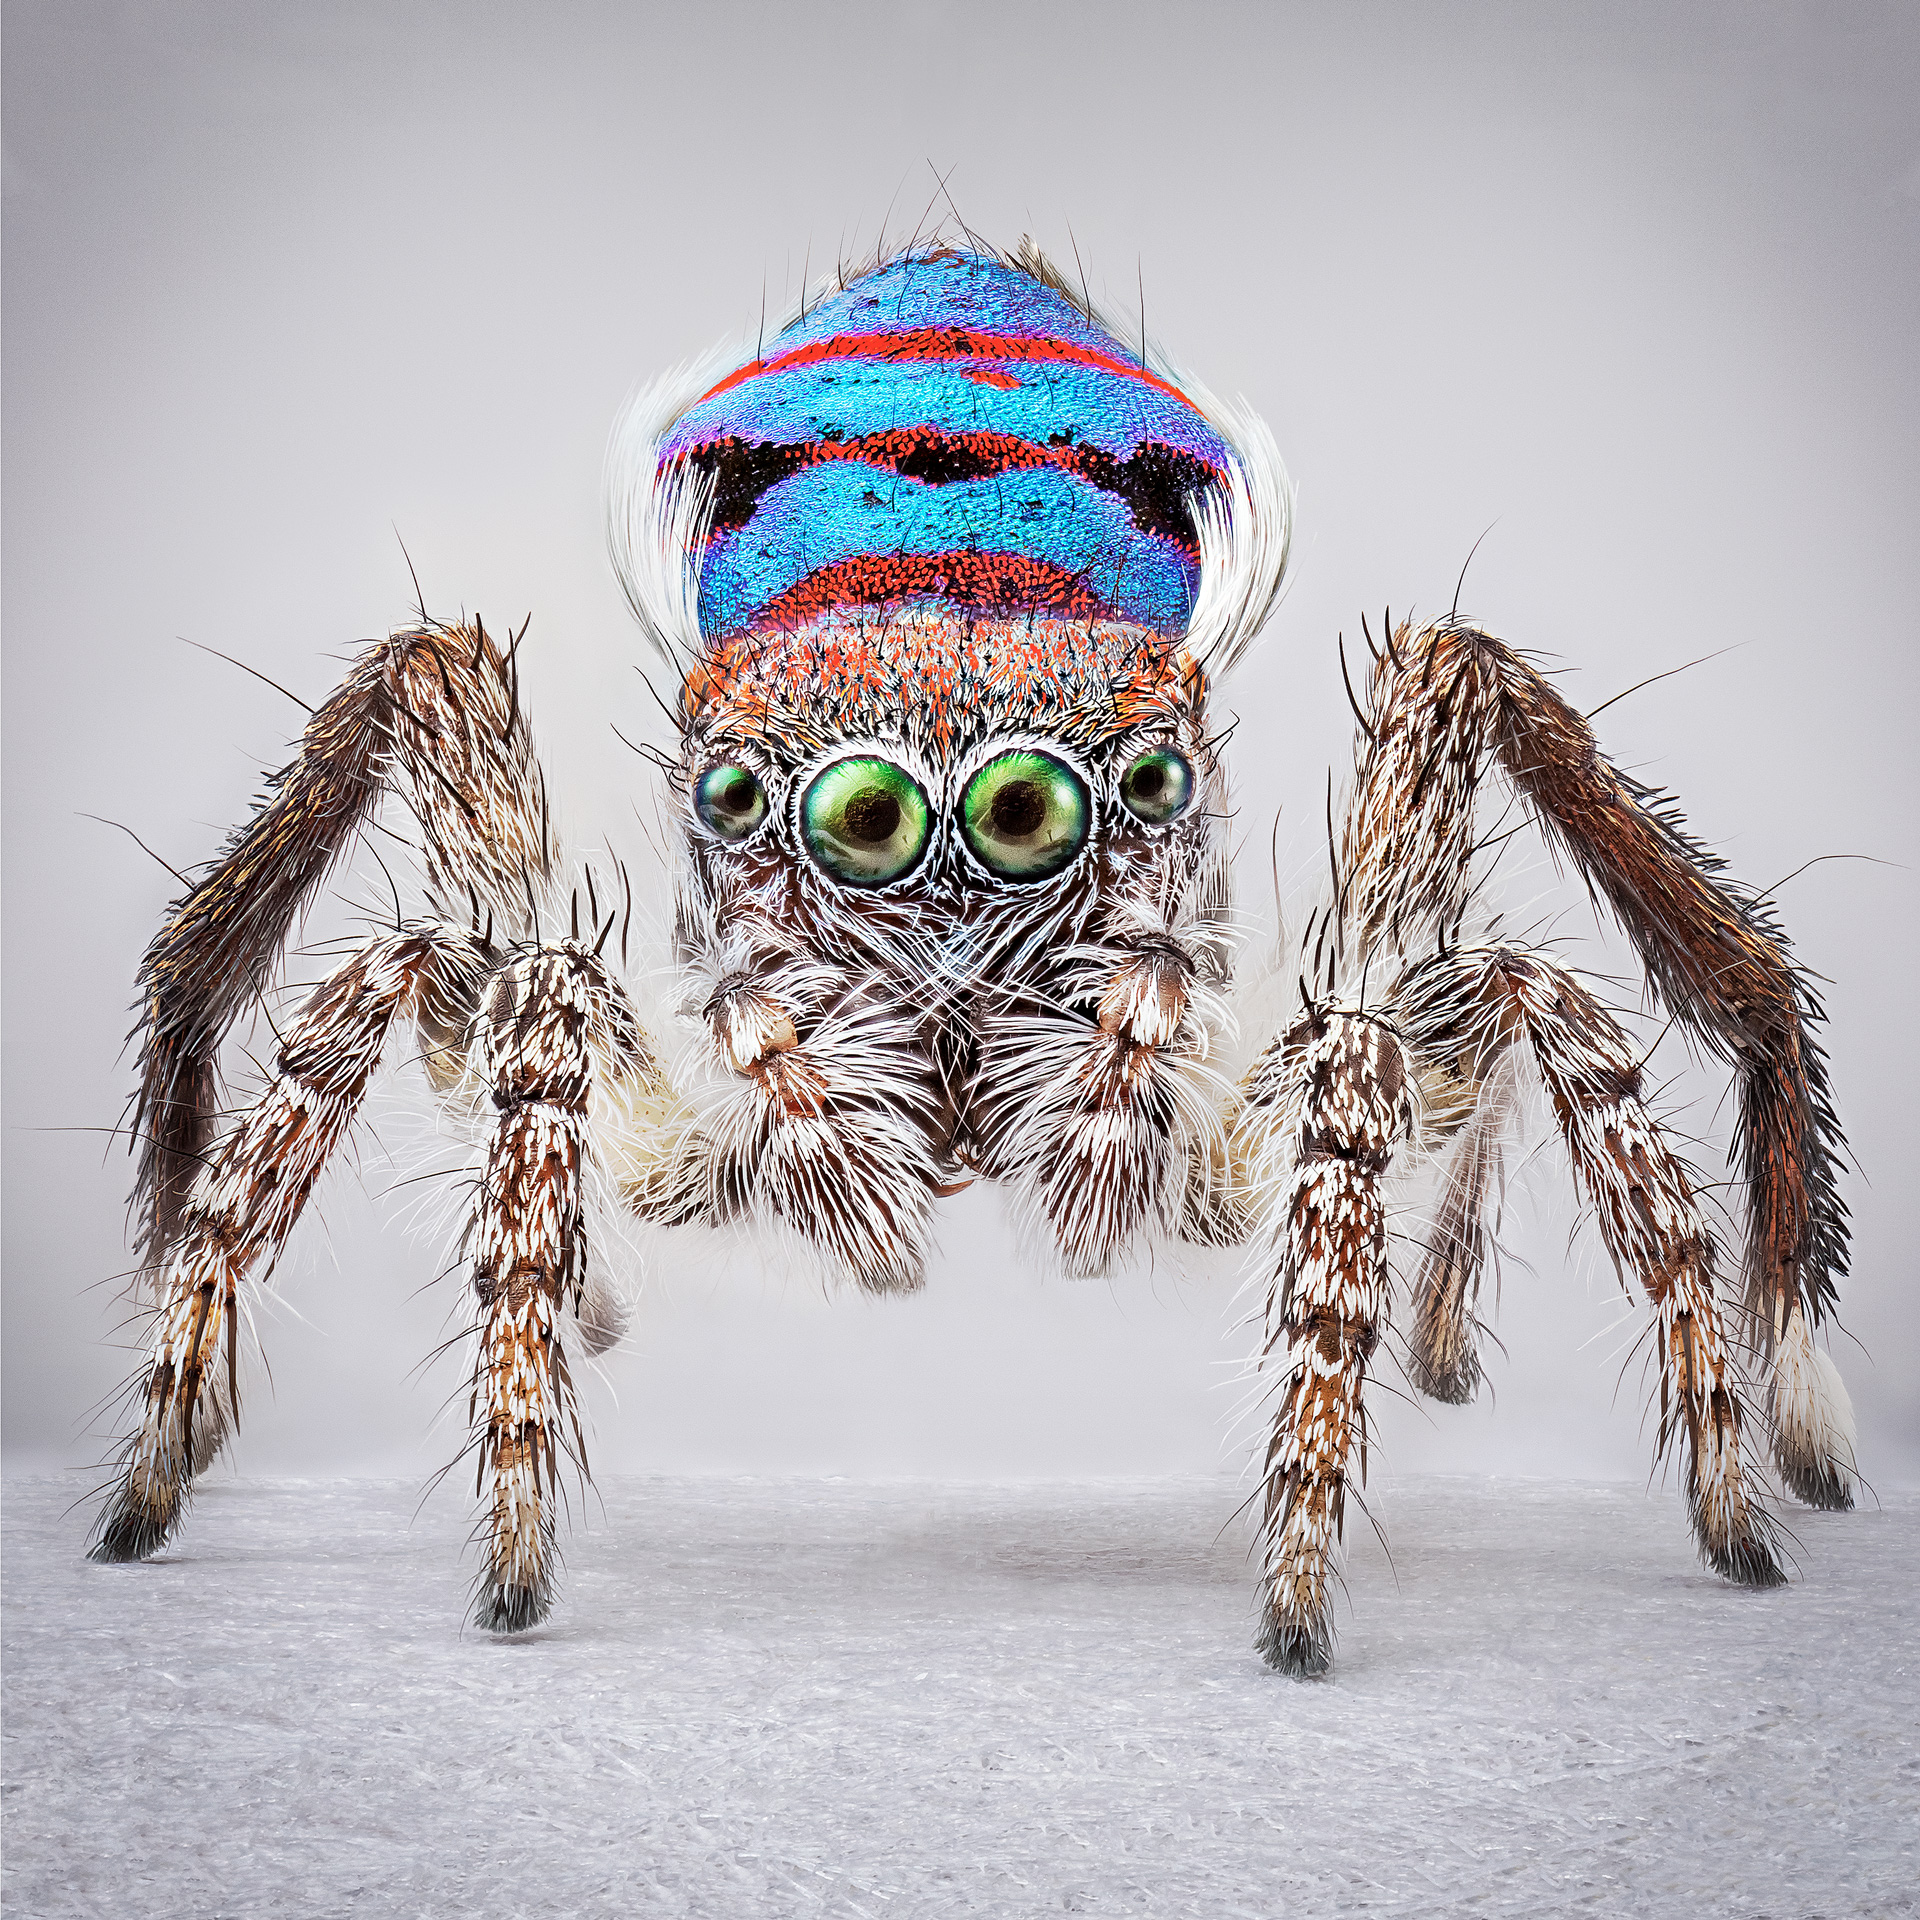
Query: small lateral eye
x=1157, y=786
x=730, y=801
x=1024, y=815
x=866, y=821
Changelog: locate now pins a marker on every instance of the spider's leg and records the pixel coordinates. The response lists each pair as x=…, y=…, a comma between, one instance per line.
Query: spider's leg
x=234, y=1220
x=572, y=1080
x=1475, y=1002
x=1442, y=1341
x=434, y=710
x=532, y=1046
x=1447, y=703
x=1340, y=1084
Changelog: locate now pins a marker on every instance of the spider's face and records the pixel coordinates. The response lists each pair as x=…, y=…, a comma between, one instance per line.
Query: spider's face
x=957, y=835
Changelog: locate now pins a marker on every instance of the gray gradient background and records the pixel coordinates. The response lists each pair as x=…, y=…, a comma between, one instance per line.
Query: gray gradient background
x=1637, y=284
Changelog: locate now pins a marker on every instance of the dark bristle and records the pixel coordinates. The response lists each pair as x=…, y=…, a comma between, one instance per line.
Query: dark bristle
x=1452, y=1385
x=516, y=1609
x=1747, y=1562
x=129, y=1534
x=1300, y=1652
x=1816, y=1483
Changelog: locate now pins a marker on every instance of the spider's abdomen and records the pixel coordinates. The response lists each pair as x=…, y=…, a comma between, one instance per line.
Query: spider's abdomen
x=948, y=431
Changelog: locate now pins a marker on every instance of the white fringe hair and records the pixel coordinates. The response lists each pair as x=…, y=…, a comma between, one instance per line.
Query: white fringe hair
x=1812, y=1412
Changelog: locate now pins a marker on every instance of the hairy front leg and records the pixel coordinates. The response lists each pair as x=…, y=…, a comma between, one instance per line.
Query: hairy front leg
x=1342, y=1081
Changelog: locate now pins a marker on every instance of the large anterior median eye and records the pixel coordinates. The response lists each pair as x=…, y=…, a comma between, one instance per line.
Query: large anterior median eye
x=865, y=821
x=1157, y=786
x=1024, y=815
x=730, y=801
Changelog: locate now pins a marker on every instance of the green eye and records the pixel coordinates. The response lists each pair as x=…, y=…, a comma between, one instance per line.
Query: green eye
x=730, y=801
x=865, y=821
x=1024, y=815
x=1157, y=786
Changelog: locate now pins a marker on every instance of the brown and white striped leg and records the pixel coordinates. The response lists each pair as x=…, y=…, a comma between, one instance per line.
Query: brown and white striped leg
x=1345, y=1076
x=533, y=1048
x=1477, y=1001
x=1447, y=704
x=432, y=713
x=235, y=1219
x=565, y=1061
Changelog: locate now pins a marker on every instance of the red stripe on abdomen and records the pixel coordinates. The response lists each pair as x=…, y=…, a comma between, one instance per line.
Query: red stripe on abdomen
x=946, y=343
x=996, y=582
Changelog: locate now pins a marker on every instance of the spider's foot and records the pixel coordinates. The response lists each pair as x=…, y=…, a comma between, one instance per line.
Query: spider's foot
x=1303, y=1650
x=602, y=1319
x=1812, y=1422
x=1454, y=1382
x=1443, y=1352
x=1817, y=1480
x=512, y=1607
x=130, y=1531
x=1748, y=1562
x=1743, y=1549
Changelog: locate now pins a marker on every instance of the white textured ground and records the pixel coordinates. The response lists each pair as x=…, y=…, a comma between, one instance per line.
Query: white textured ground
x=828, y=1698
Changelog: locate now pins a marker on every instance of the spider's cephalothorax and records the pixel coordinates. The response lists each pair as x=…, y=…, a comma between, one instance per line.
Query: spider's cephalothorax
x=946, y=573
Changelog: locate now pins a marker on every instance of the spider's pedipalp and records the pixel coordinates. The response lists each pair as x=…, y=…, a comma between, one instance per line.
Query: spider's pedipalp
x=1099, y=1098
x=1094, y=1120
x=824, y=1128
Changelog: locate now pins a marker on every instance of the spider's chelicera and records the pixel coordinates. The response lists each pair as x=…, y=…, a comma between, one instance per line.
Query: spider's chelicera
x=948, y=578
